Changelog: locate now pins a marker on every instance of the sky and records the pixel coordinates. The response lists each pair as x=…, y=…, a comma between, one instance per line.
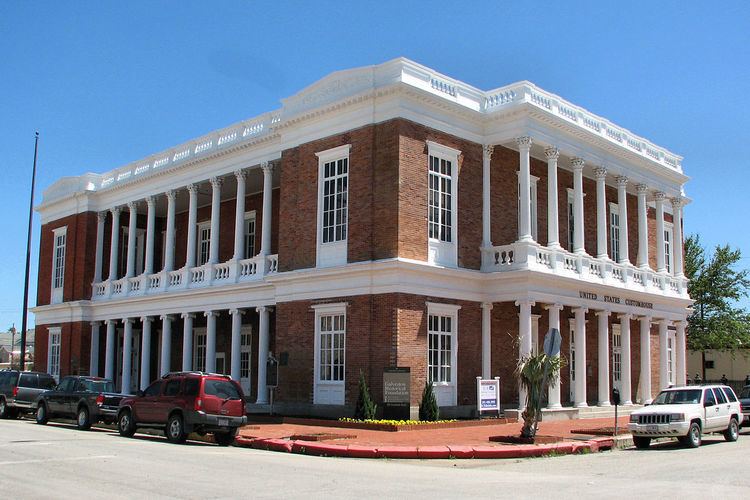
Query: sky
x=106, y=83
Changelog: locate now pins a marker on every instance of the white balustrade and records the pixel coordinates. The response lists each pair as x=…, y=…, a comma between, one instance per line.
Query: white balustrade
x=134, y=284
x=175, y=278
x=272, y=262
x=154, y=281
x=248, y=267
x=117, y=287
x=197, y=275
x=222, y=271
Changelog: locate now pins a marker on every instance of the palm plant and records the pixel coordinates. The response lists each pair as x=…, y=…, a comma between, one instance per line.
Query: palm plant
x=535, y=373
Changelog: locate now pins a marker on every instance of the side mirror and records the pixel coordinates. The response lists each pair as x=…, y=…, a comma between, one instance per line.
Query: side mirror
x=708, y=404
x=139, y=393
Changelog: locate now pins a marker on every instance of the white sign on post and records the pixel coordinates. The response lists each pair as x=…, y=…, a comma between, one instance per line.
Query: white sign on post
x=488, y=395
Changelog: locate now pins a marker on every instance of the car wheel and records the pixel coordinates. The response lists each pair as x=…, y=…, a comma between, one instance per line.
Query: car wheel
x=732, y=431
x=41, y=414
x=641, y=442
x=175, y=430
x=83, y=420
x=225, y=438
x=3, y=409
x=693, y=438
x=125, y=424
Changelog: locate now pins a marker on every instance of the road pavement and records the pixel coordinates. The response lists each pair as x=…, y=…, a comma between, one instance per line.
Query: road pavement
x=58, y=461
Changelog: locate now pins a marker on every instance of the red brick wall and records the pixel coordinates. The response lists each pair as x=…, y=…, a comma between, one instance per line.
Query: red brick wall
x=75, y=348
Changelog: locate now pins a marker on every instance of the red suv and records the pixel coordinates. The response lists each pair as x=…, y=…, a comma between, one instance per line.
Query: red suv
x=185, y=402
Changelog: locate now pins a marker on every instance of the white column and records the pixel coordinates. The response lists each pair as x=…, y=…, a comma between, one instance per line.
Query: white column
x=187, y=342
x=553, y=393
x=663, y=355
x=213, y=248
x=524, y=177
x=166, y=344
x=132, y=224
x=645, y=360
x=677, y=237
x=625, y=377
x=145, y=352
x=94, y=356
x=114, y=244
x=603, y=354
x=661, y=265
x=622, y=207
x=211, y=340
x=263, y=342
x=601, y=212
x=680, y=349
x=265, y=241
x=239, y=216
x=578, y=222
x=127, y=346
x=236, y=337
x=192, y=225
x=553, y=232
x=100, y=217
x=524, y=346
x=642, y=190
x=580, y=369
x=148, y=268
x=486, y=199
x=169, y=236
x=109, y=353
x=486, y=340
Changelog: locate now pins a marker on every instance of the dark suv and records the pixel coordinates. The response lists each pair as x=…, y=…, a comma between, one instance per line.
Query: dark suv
x=86, y=399
x=185, y=402
x=19, y=391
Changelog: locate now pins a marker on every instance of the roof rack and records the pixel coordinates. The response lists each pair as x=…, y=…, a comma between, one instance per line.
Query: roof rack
x=178, y=374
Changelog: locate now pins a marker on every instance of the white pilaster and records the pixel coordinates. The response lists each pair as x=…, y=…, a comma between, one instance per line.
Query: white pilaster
x=114, y=244
x=580, y=368
x=145, y=352
x=525, y=344
x=486, y=199
x=169, y=236
x=645, y=395
x=187, y=342
x=109, y=353
x=211, y=340
x=663, y=355
x=603, y=354
x=192, y=226
x=677, y=237
x=132, y=225
x=553, y=232
x=661, y=263
x=94, y=354
x=166, y=344
x=127, y=351
x=601, y=212
x=622, y=207
x=236, y=337
x=680, y=349
x=266, y=220
x=578, y=222
x=213, y=248
x=263, y=343
x=553, y=392
x=524, y=177
x=642, y=190
x=148, y=268
x=626, y=390
x=486, y=340
x=100, y=218
x=239, y=216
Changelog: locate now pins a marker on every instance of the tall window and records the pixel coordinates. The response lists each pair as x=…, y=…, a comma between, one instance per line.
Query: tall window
x=668, y=246
x=199, y=351
x=614, y=231
x=670, y=356
x=204, y=242
x=335, y=202
x=249, y=234
x=532, y=206
x=53, y=353
x=571, y=221
x=440, y=199
x=331, y=355
x=440, y=348
x=58, y=263
x=616, y=355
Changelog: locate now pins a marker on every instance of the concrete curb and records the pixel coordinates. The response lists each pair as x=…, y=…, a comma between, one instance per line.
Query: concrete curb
x=317, y=448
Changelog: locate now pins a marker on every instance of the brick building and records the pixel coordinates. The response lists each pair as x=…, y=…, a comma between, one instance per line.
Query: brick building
x=386, y=216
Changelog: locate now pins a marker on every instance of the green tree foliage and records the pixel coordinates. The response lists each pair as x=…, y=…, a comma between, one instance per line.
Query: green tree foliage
x=535, y=373
x=366, y=407
x=716, y=286
x=428, y=408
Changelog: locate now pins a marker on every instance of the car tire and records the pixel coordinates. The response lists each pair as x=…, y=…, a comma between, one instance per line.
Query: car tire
x=733, y=431
x=41, y=414
x=125, y=424
x=4, y=413
x=641, y=442
x=175, y=429
x=225, y=438
x=83, y=419
x=693, y=438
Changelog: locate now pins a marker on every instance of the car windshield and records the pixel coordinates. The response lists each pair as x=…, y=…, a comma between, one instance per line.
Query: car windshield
x=98, y=386
x=745, y=393
x=221, y=389
x=679, y=397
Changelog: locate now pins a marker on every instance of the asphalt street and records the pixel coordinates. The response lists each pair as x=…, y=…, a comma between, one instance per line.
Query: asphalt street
x=58, y=461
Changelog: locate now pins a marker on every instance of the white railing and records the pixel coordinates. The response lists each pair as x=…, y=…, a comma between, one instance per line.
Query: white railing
x=222, y=271
x=154, y=281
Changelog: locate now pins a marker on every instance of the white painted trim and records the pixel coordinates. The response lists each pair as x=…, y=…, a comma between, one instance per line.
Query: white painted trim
x=443, y=309
x=51, y=333
x=444, y=253
x=334, y=153
x=336, y=388
x=443, y=151
x=56, y=293
x=332, y=253
x=445, y=391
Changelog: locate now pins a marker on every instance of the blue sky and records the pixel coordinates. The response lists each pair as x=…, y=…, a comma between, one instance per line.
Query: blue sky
x=107, y=83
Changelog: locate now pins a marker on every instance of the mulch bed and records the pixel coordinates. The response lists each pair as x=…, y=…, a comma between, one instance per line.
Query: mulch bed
x=389, y=427
x=602, y=431
x=321, y=436
x=521, y=440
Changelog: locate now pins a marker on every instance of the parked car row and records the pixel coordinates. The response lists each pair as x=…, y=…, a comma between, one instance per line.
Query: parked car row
x=179, y=403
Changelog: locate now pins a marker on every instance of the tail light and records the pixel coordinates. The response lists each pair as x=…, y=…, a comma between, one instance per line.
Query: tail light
x=15, y=391
x=100, y=399
x=198, y=404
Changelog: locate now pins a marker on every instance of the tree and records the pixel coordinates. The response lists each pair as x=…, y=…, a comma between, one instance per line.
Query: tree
x=535, y=372
x=428, y=408
x=366, y=407
x=716, y=286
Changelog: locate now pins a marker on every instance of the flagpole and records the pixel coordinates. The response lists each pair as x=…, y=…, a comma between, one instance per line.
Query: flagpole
x=28, y=258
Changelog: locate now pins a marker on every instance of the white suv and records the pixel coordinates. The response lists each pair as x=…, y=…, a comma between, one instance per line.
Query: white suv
x=687, y=413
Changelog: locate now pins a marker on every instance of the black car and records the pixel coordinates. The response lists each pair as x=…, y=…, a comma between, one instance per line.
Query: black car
x=86, y=400
x=19, y=391
x=744, y=398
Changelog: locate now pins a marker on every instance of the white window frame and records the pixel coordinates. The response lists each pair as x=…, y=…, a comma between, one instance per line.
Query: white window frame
x=669, y=247
x=572, y=359
x=671, y=339
x=532, y=205
x=200, y=339
x=614, y=232
x=445, y=391
x=58, y=263
x=54, y=345
x=571, y=218
x=246, y=347
x=249, y=222
x=163, y=249
x=203, y=228
x=439, y=252
x=331, y=392
x=333, y=253
x=616, y=343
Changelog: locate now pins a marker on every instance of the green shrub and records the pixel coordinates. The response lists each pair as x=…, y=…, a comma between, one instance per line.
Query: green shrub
x=366, y=407
x=428, y=408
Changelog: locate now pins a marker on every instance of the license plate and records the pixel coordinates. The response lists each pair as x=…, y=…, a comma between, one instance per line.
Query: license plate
x=652, y=428
x=223, y=421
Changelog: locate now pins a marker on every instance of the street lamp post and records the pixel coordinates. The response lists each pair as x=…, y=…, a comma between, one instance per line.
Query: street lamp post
x=12, y=343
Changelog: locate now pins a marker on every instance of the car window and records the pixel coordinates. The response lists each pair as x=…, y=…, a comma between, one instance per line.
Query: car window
x=191, y=386
x=223, y=389
x=729, y=393
x=4, y=379
x=173, y=388
x=745, y=393
x=97, y=386
x=708, y=396
x=67, y=384
x=720, y=397
x=153, y=390
x=28, y=380
x=679, y=396
x=46, y=382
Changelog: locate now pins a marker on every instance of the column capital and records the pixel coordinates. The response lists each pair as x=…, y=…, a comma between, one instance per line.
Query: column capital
x=187, y=315
x=525, y=302
x=237, y=311
x=125, y=321
x=267, y=167
x=487, y=305
x=167, y=317
x=577, y=163
x=208, y=314
x=240, y=174
x=488, y=149
x=582, y=309
x=101, y=216
x=262, y=309
x=111, y=321
x=151, y=201
x=664, y=322
x=216, y=182
x=192, y=188
x=644, y=318
x=133, y=206
x=524, y=142
x=171, y=194
x=603, y=312
x=145, y=319
x=552, y=153
x=115, y=210
x=622, y=181
x=625, y=316
x=96, y=323
x=600, y=173
x=677, y=202
x=641, y=189
x=556, y=305
x=660, y=195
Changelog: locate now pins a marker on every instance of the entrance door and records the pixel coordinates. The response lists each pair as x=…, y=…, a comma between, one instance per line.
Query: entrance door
x=135, y=363
x=246, y=347
x=572, y=366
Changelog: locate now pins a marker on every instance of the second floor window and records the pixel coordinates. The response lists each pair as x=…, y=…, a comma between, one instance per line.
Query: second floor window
x=58, y=262
x=249, y=235
x=614, y=232
x=204, y=242
x=571, y=222
x=440, y=199
x=335, y=200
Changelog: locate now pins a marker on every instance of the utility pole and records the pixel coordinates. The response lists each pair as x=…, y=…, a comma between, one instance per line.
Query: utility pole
x=12, y=343
x=22, y=364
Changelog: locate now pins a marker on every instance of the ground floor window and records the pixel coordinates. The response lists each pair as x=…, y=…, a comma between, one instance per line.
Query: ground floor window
x=53, y=353
x=670, y=357
x=616, y=356
x=442, y=346
x=199, y=351
x=330, y=353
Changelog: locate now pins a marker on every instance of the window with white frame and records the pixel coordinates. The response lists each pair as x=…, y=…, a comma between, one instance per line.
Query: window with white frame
x=532, y=206
x=60, y=236
x=442, y=336
x=670, y=356
x=53, y=352
x=614, y=231
x=571, y=220
x=333, y=206
x=199, y=350
x=204, y=242
x=616, y=355
x=442, y=203
x=249, y=234
x=668, y=231
x=330, y=353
